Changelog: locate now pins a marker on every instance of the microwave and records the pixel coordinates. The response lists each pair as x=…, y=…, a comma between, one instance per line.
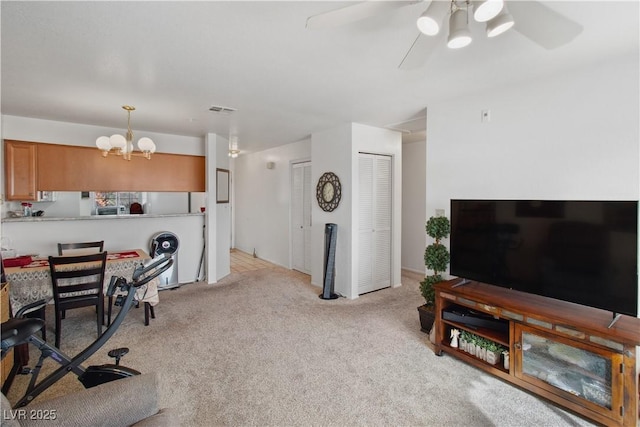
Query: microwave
x=110, y=210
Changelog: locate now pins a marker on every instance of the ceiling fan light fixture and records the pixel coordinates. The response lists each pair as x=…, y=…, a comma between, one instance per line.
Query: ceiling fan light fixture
x=500, y=23
x=484, y=10
x=459, y=34
x=430, y=22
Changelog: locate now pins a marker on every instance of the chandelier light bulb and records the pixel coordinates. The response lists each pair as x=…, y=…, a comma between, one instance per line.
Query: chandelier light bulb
x=118, y=141
x=146, y=145
x=103, y=143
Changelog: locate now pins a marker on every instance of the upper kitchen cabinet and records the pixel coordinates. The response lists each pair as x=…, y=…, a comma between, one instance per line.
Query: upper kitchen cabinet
x=29, y=168
x=20, y=170
x=83, y=168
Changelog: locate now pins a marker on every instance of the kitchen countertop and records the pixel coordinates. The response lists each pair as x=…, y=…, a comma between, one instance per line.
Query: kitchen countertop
x=98, y=217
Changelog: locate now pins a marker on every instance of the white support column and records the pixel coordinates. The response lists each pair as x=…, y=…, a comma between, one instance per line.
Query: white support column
x=210, y=219
x=217, y=216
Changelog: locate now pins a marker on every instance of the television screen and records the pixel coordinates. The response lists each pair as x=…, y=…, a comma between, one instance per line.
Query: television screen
x=584, y=252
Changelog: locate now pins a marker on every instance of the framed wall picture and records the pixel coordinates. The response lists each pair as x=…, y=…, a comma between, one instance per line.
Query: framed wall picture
x=222, y=186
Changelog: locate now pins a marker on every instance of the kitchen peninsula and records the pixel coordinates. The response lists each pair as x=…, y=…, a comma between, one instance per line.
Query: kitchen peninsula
x=40, y=235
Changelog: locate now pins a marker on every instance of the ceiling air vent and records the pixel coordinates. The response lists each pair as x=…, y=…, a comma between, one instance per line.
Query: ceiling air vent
x=221, y=110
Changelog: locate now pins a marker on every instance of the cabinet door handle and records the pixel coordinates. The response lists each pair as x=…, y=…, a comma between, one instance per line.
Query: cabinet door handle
x=517, y=345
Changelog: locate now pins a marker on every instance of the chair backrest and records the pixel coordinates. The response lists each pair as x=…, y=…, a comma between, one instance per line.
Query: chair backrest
x=81, y=248
x=135, y=208
x=71, y=275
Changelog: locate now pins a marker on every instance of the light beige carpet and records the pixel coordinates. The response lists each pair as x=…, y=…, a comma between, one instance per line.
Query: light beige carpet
x=261, y=349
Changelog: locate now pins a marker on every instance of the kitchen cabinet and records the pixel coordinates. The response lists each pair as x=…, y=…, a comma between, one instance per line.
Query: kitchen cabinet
x=563, y=352
x=83, y=168
x=20, y=170
x=33, y=168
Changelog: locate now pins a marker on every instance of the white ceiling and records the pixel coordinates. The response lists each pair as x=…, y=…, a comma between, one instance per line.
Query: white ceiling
x=81, y=61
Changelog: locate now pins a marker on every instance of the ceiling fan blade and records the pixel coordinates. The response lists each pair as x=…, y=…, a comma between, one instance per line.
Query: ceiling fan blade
x=353, y=13
x=420, y=51
x=543, y=25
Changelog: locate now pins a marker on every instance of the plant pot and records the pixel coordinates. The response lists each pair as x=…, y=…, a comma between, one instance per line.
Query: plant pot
x=427, y=317
x=481, y=353
x=493, y=357
x=463, y=345
x=471, y=348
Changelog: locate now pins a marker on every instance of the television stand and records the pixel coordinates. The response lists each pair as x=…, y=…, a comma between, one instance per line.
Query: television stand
x=616, y=317
x=461, y=282
x=561, y=351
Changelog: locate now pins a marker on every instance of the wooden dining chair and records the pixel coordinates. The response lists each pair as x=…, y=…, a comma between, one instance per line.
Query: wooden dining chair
x=78, y=281
x=76, y=248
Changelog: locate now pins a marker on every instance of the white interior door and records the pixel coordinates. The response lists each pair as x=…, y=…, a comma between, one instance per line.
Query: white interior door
x=375, y=186
x=301, y=189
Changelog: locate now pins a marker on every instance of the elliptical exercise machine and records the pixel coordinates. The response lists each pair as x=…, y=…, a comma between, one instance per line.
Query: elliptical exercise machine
x=18, y=331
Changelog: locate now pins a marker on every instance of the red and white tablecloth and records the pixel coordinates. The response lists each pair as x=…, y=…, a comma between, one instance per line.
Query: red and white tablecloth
x=32, y=282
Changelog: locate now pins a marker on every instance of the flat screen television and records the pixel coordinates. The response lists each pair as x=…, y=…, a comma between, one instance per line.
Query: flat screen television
x=585, y=252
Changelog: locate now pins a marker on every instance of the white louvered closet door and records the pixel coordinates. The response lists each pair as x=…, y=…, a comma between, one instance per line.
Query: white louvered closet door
x=375, y=186
x=301, y=217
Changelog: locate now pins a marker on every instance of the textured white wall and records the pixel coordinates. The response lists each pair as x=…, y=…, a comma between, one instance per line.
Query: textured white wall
x=262, y=201
x=414, y=215
x=332, y=152
x=570, y=136
x=223, y=210
x=336, y=150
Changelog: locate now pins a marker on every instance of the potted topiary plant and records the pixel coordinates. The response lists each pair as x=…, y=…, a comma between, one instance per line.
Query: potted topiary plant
x=436, y=259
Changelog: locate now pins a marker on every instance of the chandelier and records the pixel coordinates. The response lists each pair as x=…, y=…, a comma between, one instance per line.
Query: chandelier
x=493, y=12
x=123, y=146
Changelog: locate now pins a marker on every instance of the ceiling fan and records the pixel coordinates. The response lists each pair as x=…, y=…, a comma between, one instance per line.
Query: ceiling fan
x=532, y=19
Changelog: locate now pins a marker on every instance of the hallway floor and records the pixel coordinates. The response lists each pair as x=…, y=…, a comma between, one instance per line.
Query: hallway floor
x=242, y=261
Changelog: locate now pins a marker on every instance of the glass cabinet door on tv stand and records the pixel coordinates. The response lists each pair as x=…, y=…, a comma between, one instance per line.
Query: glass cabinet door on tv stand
x=585, y=374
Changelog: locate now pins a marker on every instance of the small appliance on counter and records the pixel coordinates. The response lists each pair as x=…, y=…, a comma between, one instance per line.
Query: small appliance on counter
x=110, y=210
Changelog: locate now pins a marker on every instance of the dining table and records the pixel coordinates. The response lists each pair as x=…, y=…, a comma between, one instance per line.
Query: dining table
x=32, y=282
